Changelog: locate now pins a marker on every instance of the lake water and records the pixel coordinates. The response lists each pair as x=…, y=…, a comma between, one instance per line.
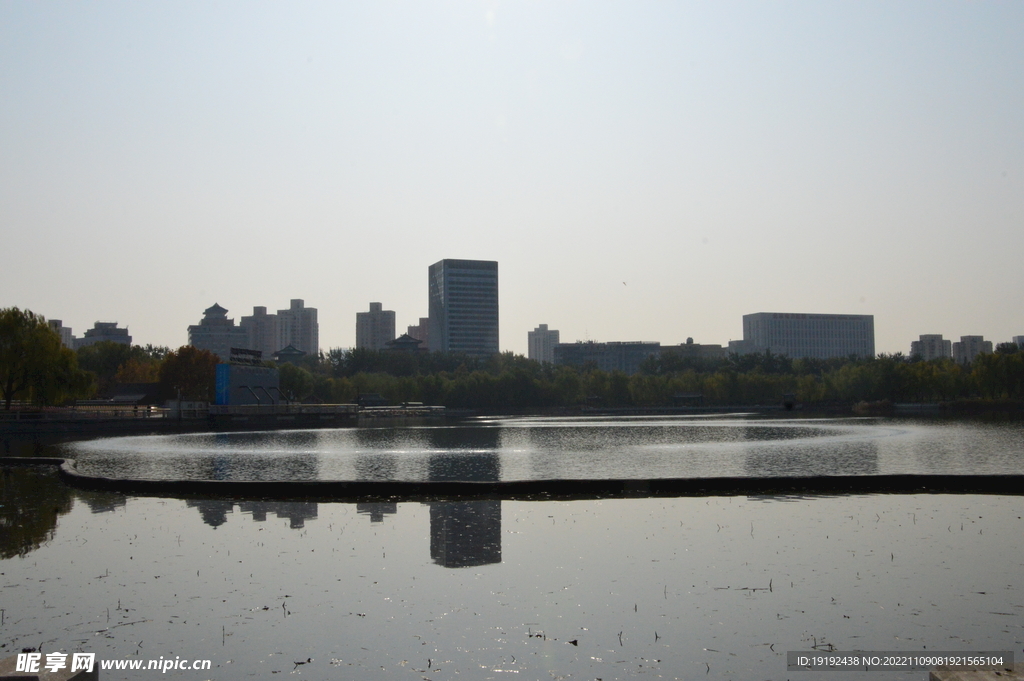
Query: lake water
x=553, y=448
x=679, y=588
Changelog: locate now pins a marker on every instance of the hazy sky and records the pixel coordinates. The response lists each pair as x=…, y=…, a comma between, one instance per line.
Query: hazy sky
x=640, y=170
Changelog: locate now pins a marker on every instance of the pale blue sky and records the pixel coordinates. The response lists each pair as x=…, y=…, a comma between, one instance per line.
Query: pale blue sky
x=718, y=158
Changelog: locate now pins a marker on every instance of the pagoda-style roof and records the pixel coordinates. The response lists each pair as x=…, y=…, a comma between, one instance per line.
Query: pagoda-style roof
x=215, y=310
x=404, y=342
x=289, y=354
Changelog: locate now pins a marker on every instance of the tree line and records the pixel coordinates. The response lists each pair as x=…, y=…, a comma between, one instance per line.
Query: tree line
x=34, y=366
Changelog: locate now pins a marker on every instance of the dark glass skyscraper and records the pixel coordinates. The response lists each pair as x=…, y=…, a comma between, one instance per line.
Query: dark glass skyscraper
x=464, y=307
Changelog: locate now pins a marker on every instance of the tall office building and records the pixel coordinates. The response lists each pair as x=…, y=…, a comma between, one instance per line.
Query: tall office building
x=464, y=307
x=297, y=326
x=970, y=347
x=263, y=332
x=374, y=329
x=1019, y=341
x=216, y=333
x=931, y=346
x=542, y=344
x=809, y=335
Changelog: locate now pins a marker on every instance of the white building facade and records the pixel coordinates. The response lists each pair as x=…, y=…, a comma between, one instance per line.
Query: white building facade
x=263, y=334
x=218, y=334
x=931, y=346
x=376, y=328
x=970, y=347
x=798, y=335
x=297, y=326
x=542, y=342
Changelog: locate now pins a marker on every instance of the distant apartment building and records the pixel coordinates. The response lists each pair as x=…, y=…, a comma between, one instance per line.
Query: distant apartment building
x=421, y=331
x=931, y=346
x=376, y=328
x=541, y=344
x=218, y=334
x=103, y=331
x=66, y=337
x=298, y=326
x=1019, y=341
x=970, y=347
x=614, y=356
x=800, y=335
x=263, y=332
x=463, y=298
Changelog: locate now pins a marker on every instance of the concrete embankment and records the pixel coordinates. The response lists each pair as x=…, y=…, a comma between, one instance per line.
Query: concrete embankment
x=351, y=490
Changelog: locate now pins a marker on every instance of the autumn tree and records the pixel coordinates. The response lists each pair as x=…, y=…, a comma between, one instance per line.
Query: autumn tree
x=189, y=373
x=34, y=364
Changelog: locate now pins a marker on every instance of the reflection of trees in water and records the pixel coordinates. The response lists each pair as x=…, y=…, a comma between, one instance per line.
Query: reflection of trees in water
x=465, y=533
x=31, y=500
x=835, y=457
x=215, y=511
x=101, y=502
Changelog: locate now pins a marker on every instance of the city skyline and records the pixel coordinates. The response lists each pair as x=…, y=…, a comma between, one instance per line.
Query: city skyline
x=650, y=172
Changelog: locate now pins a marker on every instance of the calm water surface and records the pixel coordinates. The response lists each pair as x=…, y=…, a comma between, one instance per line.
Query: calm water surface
x=687, y=588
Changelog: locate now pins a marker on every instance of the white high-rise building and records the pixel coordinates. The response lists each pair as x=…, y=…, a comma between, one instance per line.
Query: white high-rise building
x=218, y=334
x=374, y=329
x=542, y=342
x=263, y=332
x=931, y=346
x=297, y=326
x=970, y=347
x=1019, y=341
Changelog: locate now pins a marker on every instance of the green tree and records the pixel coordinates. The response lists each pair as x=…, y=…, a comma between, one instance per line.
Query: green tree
x=33, y=362
x=296, y=383
x=189, y=373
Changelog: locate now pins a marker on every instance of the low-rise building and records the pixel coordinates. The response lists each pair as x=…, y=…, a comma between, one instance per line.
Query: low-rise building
x=615, y=356
x=104, y=331
x=691, y=350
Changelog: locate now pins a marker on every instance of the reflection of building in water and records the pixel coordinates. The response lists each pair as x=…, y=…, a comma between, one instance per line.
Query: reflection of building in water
x=297, y=512
x=465, y=454
x=465, y=533
x=377, y=511
x=469, y=532
x=214, y=513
